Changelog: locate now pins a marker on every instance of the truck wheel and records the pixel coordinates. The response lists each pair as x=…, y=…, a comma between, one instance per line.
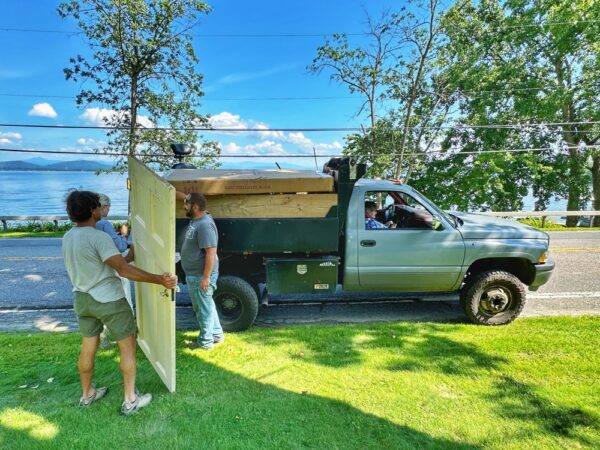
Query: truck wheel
x=237, y=303
x=493, y=298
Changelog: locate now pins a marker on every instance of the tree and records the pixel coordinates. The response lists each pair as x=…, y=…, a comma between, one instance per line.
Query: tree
x=362, y=69
x=143, y=70
x=396, y=68
x=534, y=63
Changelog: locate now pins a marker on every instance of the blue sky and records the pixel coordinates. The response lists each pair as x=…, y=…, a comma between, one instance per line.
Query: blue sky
x=233, y=68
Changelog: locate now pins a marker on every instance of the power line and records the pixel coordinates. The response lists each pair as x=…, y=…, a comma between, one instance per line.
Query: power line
x=6, y=94
x=226, y=130
x=68, y=152
x=312, y=155
x=290, y=35
x=516, y=126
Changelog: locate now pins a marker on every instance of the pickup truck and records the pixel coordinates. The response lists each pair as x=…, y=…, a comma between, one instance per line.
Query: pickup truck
x=489, y=262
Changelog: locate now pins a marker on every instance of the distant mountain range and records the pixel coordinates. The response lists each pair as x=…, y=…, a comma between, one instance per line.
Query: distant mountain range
x=46, y=164
x=92, y=166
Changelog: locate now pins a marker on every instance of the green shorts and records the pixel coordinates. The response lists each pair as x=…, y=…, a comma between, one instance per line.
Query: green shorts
x=91, y=315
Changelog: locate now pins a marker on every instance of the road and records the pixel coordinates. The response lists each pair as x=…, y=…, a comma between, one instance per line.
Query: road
x=35, y=292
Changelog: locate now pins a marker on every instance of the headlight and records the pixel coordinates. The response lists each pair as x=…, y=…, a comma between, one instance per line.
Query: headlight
x=543, y=257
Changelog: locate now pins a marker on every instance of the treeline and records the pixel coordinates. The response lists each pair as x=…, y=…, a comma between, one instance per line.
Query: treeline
x=481, y=102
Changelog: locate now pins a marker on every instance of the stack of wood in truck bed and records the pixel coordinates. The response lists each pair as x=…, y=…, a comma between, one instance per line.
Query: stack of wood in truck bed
x=248, y=194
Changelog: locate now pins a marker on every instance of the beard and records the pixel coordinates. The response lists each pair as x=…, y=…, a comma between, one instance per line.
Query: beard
x=189, y=213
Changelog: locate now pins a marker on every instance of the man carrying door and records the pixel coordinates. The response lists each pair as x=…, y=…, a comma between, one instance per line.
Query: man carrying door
x=93, y=261
x=201, y=265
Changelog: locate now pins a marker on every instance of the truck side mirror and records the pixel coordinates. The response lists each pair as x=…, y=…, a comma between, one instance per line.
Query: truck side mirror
x=436, y=225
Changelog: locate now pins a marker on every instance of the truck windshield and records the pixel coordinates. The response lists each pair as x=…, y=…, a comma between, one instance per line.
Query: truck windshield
x=449, y=217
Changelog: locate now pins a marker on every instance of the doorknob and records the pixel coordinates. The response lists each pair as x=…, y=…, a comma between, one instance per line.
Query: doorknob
x=368, y=243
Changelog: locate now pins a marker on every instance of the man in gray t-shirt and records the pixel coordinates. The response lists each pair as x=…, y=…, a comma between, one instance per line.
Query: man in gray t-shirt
x=201, y=265
x=93, y=261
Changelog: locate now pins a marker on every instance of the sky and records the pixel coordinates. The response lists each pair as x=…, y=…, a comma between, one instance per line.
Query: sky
x=249, y=81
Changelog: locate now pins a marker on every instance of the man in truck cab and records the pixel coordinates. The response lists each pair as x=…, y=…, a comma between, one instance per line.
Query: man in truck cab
x=370, y=222
x=201, y=265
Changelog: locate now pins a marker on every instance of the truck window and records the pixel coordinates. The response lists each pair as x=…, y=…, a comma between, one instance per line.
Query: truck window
x=386, y=210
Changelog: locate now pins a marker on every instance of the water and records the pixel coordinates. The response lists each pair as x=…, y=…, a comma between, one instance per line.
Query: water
x=41, y=193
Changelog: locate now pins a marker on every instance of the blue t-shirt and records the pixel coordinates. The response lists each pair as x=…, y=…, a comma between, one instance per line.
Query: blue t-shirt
x=371, y=224
x=107, y=227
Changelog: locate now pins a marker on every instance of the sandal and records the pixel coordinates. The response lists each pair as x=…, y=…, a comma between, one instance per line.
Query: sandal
x=97, y=395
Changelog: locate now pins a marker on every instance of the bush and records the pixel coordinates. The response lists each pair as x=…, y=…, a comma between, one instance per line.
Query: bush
x=536, y=222
x=39, y=225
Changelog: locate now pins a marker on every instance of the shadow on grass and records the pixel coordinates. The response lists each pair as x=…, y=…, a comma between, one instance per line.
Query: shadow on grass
x=213, y=408
x=517, y=400
x=429, y=348
x=415, y=347
x=217, y=408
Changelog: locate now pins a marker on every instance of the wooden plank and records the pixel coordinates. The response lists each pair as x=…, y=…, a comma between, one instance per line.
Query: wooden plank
x=266, y=206
x=212, y=182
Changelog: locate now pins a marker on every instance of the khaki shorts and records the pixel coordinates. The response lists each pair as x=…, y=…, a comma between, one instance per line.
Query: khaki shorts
x=91, y=315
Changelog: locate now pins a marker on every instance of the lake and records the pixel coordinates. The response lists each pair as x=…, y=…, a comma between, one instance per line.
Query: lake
x=36, y=193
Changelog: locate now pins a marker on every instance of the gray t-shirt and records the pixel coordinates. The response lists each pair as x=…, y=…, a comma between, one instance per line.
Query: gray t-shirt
x=84, y=250
x=200, y=234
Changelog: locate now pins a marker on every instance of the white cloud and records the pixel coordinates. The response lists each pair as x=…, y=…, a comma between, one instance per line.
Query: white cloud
x=89, y=144
x=262, y=148
x=240, y=77
x=98, y=116
x=308, y=144
x=272, y=140
x=233, y=121
x=226, y=120
x=9, y=137
x=300, y=139
x=101, y=116
x=269, y=134
x=42, y=110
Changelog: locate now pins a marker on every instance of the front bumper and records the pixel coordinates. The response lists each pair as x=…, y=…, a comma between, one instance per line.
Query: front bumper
x=543, y=272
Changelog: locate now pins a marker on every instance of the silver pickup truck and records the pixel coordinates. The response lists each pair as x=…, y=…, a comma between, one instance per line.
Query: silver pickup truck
x=406, y=247
x=489, y=261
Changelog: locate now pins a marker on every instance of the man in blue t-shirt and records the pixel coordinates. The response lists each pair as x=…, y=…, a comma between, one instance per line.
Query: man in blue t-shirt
x=370, y=222
x=201, y=265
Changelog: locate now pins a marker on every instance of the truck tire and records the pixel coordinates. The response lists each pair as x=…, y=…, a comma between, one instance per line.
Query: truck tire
x=237, y=303
x=493, y=297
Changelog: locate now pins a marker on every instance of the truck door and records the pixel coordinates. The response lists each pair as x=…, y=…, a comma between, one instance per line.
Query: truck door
x=152, y=204
x=412, y=257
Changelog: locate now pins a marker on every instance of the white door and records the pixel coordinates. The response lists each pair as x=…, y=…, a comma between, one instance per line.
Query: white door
x=152, y=204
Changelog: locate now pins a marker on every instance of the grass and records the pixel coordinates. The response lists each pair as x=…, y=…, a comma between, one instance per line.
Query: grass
x=36, y=228
x=29, y=234
x=549, y=225
x=533, y=384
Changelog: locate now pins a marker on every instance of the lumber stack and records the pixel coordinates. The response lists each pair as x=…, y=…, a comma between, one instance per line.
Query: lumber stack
x=254, y=194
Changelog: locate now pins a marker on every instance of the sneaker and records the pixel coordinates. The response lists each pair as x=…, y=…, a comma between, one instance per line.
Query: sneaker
x=196, y=346
x=84, y=402
x=219, y=339
x=141, y=401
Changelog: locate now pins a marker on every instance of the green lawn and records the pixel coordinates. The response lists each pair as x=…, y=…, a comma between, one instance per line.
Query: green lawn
x=28, y=234
x=533, y=384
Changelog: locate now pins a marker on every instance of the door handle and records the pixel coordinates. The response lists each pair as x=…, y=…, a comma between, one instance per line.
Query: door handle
x=368, y=243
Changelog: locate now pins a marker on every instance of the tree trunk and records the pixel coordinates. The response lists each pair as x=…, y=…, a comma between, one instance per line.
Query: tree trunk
x=575, y=174
x=574, y=194
x=596, y=187
x=133, y=119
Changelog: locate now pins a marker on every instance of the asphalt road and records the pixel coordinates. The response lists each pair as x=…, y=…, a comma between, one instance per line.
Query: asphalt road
x=35, y=292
